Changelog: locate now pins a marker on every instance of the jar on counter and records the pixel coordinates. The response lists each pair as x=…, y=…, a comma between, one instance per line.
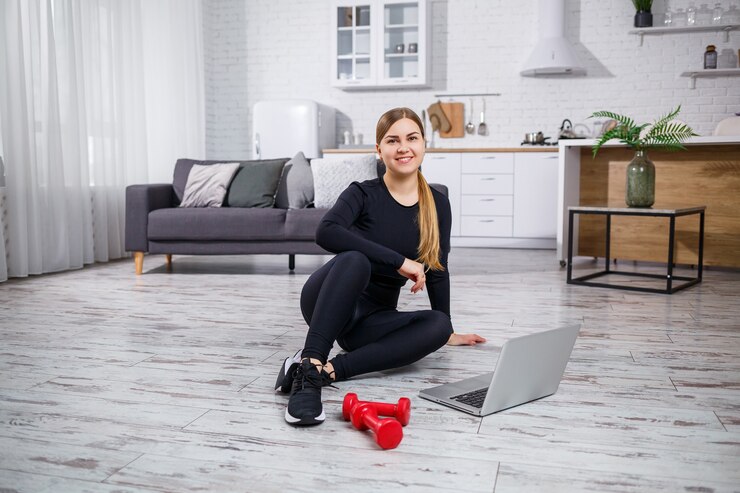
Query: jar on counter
x=710, y=57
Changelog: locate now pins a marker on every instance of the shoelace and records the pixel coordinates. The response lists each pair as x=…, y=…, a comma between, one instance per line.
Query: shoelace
x=326, y=379
x=314, y=379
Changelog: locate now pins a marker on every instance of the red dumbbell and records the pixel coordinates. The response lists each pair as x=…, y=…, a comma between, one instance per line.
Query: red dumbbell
x=400, y=411
x=388, y=431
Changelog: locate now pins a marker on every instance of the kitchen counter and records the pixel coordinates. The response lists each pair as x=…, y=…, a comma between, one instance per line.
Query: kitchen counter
x=707, y=173
x=452, y=149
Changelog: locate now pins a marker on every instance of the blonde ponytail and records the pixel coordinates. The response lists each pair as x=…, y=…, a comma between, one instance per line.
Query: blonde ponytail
x=429, y=251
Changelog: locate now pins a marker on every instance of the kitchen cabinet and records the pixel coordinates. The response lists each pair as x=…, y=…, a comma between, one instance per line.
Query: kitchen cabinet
x=487, y=188
x=535, y=195
x=444, y=168
x=380, y=43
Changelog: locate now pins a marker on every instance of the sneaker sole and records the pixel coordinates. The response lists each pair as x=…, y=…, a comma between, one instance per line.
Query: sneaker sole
x=304, y=421
x=284, y=380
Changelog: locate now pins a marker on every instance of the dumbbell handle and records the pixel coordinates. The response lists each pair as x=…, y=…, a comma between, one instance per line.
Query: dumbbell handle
x=400, y=411
x=388, y=432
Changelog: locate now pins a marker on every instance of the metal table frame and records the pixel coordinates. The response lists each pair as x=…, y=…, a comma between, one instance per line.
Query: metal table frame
x=669, y=277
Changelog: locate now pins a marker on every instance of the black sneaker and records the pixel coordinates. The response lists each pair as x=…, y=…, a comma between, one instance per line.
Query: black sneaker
x=304, y=406
x=285, y=376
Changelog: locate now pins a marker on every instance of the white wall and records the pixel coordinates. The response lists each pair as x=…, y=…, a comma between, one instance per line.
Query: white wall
x=271, y=49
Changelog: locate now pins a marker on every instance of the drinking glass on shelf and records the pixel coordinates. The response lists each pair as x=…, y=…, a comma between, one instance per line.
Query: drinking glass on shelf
x=679, y=18
x=717, y=14
x=691, y=15
x=668, y=15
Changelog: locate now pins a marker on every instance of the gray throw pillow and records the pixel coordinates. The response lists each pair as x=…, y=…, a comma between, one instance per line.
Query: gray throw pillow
x=207, y=185
x=296, y=185
x=255, y=184
x=332, y=176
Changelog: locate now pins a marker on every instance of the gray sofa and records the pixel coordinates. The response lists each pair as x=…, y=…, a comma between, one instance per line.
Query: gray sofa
x=155, y=224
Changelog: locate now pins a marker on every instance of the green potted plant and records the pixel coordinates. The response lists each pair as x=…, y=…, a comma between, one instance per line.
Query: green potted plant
x=643, y=17
x=662, y=134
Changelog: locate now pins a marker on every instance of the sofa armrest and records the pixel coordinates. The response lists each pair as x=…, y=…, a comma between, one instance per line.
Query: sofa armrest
x=140, y=201
x=440, y=188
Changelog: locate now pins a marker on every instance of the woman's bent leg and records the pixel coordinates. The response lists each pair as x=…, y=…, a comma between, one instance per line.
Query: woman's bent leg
x=391, y=339
x=328, y=303
x=329, y=298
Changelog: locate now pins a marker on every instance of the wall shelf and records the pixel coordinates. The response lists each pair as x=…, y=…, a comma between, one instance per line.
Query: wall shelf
x=713, y=72
x=726, y=28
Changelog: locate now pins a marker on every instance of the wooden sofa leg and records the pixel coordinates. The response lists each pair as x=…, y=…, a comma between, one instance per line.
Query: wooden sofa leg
x=139, y=262
x=291, y=262
x=168, y=262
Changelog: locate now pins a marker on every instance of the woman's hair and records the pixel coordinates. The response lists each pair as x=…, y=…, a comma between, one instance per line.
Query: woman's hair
x=428, y=249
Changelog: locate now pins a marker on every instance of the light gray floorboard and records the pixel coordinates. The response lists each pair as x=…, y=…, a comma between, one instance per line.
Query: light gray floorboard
x=111, y=382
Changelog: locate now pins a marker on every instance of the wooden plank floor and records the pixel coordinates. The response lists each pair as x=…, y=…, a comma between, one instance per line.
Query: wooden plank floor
x=115, y=383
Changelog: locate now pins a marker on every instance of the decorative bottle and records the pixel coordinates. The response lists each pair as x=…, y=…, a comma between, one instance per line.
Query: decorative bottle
x=710, y=57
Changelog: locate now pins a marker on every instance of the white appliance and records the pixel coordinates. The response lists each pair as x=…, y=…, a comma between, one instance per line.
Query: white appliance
x=281, y=128
x=553, y=54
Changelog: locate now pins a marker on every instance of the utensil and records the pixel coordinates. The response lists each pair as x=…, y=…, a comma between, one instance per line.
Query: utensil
x=483, y=128
x=424, y=124
x=534, y=138
x=470, y=126
x=566, y=130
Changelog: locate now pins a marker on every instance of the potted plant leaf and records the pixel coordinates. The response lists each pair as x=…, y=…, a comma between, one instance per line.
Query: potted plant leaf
x=643, y=16
x=662, y=134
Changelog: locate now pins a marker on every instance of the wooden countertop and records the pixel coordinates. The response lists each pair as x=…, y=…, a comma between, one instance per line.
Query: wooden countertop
x=450, y=149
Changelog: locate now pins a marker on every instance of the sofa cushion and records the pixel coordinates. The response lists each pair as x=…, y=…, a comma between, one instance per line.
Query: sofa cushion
x=296, y=185
x=221, y=224
x=301, y=224
x=255, y=184
x=207, y=185
x=331, y=176
x=182, y=170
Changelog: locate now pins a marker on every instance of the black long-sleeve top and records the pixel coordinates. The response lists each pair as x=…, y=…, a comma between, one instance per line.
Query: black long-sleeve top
x=366, y=218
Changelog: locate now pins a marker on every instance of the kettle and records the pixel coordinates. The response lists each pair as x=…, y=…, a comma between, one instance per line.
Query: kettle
x=566, y=130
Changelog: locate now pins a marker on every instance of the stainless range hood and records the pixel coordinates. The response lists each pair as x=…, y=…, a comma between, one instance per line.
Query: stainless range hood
x=553, y=54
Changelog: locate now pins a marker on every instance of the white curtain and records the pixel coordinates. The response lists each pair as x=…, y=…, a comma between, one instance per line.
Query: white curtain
x=78, y=125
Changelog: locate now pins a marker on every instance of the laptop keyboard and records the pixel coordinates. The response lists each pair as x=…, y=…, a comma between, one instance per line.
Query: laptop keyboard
x=474, y=398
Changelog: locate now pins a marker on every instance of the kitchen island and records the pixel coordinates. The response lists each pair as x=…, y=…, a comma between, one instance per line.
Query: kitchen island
x=707, y=173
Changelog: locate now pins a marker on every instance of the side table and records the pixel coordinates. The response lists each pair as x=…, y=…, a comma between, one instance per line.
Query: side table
x=608, y=212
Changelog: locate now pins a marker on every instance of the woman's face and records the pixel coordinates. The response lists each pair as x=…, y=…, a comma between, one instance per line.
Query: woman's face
x=402, y=147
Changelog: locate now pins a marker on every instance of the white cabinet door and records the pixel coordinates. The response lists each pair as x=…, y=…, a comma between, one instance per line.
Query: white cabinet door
x=535, y=194
x=353, y=41
x=380, y=43
x=445, y=169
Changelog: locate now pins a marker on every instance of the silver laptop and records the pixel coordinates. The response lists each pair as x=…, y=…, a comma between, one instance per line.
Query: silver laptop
x=528, y=368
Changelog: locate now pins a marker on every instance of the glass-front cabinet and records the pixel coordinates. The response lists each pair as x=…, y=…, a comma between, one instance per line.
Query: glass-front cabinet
x=380, y=43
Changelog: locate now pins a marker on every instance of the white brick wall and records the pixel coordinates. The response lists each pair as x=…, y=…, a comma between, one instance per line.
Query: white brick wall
x=270, y=49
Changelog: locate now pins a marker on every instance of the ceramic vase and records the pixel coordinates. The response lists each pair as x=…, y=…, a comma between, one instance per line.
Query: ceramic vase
x=643, y=19
x=640, y=181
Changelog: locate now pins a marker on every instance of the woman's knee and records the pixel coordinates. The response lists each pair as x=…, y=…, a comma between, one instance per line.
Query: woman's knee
x=356, y=261
x=438, y=326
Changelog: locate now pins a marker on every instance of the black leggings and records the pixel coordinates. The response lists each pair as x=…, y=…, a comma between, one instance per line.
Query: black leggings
x=375, y=336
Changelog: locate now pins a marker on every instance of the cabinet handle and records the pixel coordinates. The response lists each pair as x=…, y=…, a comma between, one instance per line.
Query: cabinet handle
x=490, y=178
x=439, y=157
x=487, y=200
x=487, y=221
x=488, y=157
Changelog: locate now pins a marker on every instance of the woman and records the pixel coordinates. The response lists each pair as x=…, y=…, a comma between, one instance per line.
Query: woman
x=384, y=232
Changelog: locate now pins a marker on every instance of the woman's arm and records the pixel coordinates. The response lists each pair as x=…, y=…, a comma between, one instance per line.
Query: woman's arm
x=334, y=235
x=438, y=282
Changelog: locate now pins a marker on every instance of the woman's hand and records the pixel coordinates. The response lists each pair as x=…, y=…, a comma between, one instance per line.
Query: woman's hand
x=415, y=271
x=464, y=339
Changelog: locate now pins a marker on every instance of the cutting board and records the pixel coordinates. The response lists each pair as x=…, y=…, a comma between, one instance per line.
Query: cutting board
x=455, y=113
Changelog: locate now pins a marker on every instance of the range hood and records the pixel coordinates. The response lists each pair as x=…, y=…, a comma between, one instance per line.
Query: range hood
x=553, y=54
